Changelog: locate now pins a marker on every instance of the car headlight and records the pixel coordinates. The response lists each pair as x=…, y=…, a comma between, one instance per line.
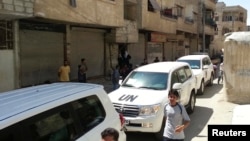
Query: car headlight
x=149, y=110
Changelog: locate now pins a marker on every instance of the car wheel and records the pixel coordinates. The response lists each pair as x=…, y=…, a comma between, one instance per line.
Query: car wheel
x=201, y=89
x=191, y=103
x=211, y=80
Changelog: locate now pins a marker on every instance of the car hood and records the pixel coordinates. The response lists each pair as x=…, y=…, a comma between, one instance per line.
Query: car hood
x=135, y=96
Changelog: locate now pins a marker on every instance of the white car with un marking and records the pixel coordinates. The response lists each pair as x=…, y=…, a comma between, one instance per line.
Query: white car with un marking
x=143, y=94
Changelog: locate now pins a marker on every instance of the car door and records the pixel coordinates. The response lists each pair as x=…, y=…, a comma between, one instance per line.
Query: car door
x=205, y=70
x=210, y=67
x=184, y=92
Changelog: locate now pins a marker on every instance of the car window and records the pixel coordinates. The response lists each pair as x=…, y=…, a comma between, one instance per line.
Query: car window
x=188, y=71
x=194, y=64
x=149, y=80
x=208, y=61
x=90, y=112
x=182, y=75
x=174, y=78
x=203, y=62
x=55, y=127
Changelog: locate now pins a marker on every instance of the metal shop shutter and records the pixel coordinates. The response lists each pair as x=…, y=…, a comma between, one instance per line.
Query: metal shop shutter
x=41, y=54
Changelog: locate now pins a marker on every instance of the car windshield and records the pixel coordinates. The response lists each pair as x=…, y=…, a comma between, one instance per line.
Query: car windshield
x=147, y=80
x=194, y=64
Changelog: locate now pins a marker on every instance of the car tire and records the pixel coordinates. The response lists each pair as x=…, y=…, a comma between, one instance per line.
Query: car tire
x=201, y=89
x=191, y=103
x=211, y=80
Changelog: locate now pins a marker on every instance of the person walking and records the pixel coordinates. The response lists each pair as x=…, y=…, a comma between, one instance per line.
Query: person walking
x=156, y=59
x=64, y=71
x=221, y=71
x=110, y=134
x=176, y=118
x=115, y=77
x=82, y=69
x=145, y=62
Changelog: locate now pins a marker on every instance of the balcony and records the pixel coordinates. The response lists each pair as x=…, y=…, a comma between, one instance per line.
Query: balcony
x=210, y=4
x=10, y=10
x=181, y=3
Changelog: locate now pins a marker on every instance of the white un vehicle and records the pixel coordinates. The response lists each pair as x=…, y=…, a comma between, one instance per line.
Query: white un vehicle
x=143, y=94
x=57, y=112
x=203, y=69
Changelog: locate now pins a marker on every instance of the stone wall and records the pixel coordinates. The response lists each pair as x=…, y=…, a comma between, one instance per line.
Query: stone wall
x=237, y=68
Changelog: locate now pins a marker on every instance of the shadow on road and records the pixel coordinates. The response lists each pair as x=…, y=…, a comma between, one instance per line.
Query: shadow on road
x=210, y=91
x=199, y=120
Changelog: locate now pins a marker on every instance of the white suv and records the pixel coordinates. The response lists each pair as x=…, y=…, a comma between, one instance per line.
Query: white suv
x=58, y=112
x=143, y=94
x=202, y=68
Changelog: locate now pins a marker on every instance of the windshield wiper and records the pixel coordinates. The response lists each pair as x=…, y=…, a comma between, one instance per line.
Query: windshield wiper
x=149, y=88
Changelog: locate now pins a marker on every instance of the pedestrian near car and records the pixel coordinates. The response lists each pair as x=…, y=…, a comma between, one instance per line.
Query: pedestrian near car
x=64, y=72
x=110, y=134
x=221, y=71
x=156, y=59
x=115, y=77
x=176, y=118
x=145, y=62
x=82, y=69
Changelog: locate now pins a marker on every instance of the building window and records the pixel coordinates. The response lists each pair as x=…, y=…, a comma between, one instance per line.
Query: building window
x=179, y=11
x=72, y=3
x=153, y=5
x=6, y=35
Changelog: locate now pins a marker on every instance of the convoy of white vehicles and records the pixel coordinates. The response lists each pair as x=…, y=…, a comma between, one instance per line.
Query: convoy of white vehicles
x=202, y=68
x=139, y=100
x=143, y=94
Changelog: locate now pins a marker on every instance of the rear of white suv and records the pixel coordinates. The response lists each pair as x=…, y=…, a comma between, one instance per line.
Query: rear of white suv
x=202, y=68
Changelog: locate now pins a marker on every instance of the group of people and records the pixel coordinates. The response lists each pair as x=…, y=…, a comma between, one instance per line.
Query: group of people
x=64, y=71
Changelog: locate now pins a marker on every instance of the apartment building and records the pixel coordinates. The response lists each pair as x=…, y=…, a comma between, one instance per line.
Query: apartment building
x=37, y=35
x=228, y=19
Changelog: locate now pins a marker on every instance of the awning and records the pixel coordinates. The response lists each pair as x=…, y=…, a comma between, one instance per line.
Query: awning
x=155, y=5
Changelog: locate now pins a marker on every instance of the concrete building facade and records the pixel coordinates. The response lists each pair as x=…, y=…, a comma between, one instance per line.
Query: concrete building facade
x=37, y=35
x=228, y=19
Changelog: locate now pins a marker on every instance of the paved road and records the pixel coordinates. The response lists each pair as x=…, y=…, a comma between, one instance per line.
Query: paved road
x=211, y=108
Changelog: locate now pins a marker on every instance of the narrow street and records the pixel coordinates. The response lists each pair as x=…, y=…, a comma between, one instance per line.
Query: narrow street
x=211, y=108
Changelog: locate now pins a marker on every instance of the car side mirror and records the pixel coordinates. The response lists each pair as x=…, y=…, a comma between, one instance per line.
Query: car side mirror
x=120, y=80
x=176, y=86
x=205, y=67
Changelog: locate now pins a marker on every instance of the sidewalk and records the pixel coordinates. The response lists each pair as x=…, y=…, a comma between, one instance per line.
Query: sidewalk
x=241, y=114
x=103, y=81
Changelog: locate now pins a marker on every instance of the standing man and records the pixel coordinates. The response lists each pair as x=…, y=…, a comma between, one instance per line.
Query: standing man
x=115, y=77
x=64, y=71
x=82, y=69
